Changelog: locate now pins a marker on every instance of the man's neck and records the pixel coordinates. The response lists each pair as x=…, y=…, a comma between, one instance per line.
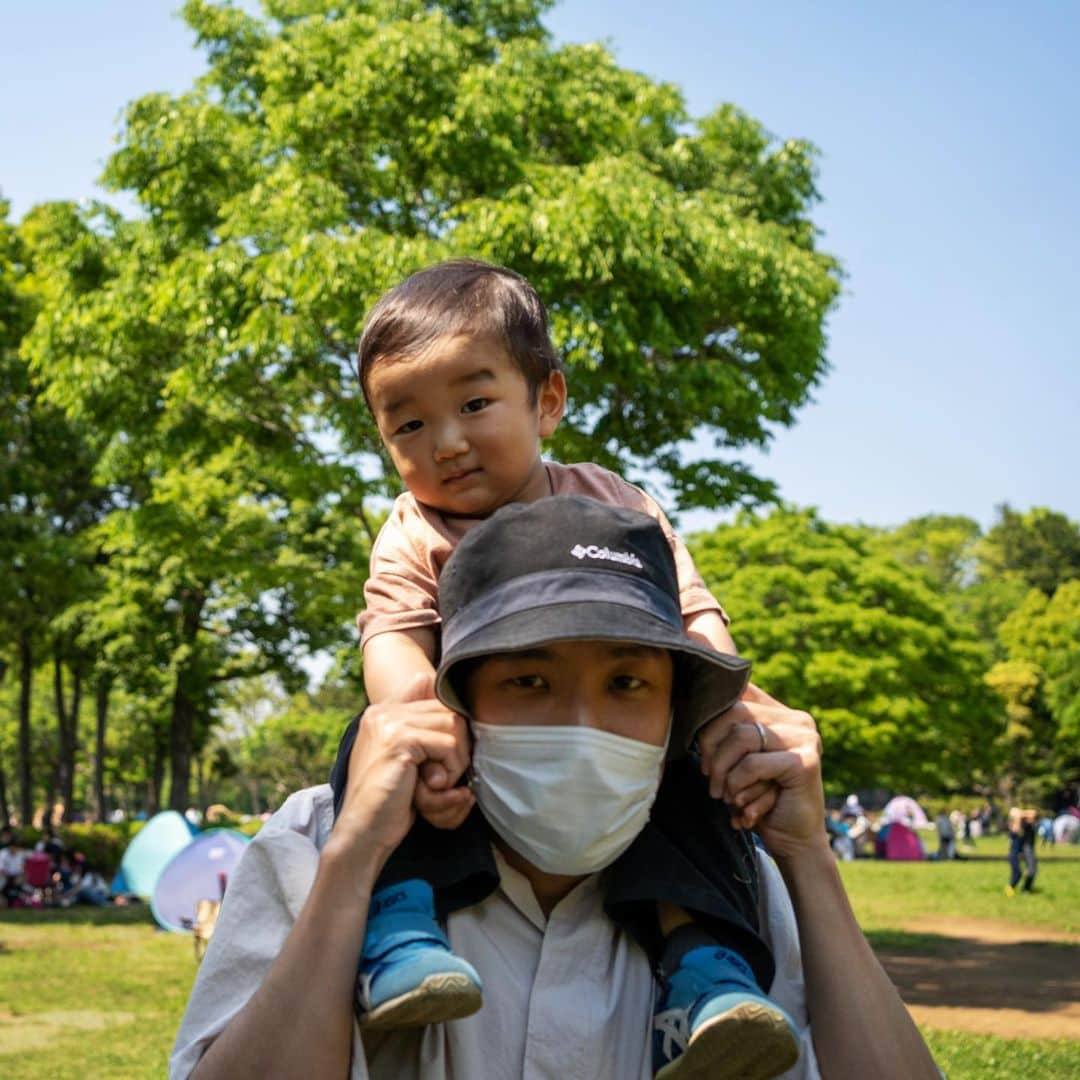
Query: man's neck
x=548, y=889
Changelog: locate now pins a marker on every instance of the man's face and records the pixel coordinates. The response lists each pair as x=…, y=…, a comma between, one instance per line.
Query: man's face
x=614, y=686
x=460, y=426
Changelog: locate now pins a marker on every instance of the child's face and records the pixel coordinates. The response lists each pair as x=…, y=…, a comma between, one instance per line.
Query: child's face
x=460, y=428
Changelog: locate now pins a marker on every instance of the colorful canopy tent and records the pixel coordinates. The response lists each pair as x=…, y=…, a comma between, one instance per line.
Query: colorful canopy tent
x=1066, y=829
x=150, y=851
x=195, y=873
x=902, y=844
x=907, y=811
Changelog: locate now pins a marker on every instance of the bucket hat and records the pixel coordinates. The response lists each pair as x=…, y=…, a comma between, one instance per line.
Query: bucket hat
x=568, y=568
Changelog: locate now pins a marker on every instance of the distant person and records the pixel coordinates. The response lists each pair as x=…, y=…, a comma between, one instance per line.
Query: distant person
x=946, y=837
x=1021, y=828
x=50, y=843
x=12, y=867
x=87, y=886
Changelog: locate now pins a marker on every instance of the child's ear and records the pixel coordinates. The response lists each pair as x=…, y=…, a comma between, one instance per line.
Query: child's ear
x=551, y=402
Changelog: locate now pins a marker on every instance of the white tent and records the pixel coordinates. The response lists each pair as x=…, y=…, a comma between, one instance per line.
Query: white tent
x=908, y=812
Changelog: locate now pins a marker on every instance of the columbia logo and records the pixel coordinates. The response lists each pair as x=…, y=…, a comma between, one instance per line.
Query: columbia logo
x=627, y=558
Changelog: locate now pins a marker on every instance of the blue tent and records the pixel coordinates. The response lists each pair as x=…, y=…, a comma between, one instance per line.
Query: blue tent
x=194, y=873
x=150, y=851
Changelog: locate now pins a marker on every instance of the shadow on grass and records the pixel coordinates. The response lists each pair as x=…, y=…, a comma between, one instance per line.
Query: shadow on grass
x=929, y=969
x=81, y=915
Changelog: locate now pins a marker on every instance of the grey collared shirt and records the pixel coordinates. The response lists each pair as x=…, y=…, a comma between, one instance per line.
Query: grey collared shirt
x=567, y=997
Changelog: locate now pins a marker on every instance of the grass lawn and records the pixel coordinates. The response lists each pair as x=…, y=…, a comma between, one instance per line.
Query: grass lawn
x=100, y=993
x=889, y=894
x=89, y=993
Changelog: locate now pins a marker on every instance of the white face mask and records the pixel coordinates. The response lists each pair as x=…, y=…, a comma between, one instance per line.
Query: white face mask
x=571, y=800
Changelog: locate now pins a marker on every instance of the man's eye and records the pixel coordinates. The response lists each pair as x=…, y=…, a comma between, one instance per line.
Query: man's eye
x=528, y=682
x=409, y=427
x=627, y=682
x=476, y=404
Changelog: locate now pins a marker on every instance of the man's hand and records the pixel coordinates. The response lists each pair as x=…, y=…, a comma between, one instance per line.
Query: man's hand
x=775, y=788
x=750, y=804
x=394, y=741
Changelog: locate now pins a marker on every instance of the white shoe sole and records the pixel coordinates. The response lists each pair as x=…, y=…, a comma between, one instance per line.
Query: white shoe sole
x=437, y=999
x=748, y=1042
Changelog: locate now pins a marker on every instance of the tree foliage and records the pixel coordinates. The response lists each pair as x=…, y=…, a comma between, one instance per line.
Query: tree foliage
x=204, y=349
x=868, y=647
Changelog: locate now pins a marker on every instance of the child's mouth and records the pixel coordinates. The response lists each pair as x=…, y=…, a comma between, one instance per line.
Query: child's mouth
x=457, y=478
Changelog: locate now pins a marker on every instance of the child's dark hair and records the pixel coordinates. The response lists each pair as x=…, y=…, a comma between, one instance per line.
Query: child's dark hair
x=461, y=296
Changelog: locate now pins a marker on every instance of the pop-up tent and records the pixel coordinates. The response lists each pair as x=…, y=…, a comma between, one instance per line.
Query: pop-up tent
x=195, y=873
x=906, y=810
x=902, y=844
x=150, y=851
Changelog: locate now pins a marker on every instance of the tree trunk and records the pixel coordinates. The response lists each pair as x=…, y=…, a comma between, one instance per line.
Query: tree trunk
x=5, y=809
x=181, y=733
x=157, y=777
x=182, y=728
x=26, y=677
x=67, y=720
x=57, y=779
x=102, y=703
x=71, y=744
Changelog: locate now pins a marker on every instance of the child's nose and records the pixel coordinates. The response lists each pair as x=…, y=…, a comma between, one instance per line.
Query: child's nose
x=450, y=442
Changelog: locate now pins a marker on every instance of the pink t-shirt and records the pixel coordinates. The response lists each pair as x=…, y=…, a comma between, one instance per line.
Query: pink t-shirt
x=414, y=543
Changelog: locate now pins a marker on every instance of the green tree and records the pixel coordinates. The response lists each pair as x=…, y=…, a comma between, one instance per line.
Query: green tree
x=1040, y=685
x=940, y=545
x=47, y=500
x=1041, y=548
x=330, y=150
x=866, y=645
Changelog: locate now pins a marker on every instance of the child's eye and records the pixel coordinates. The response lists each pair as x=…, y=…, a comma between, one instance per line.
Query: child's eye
x=476, y=404
x=409, y=427
x=627, y=682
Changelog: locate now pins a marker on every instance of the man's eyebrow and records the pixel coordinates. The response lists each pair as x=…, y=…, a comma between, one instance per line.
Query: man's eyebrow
x=538, y=653
x=633, y=650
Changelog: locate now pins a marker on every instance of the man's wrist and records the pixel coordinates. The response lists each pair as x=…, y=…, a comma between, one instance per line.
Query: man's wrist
x=807, y=863
x=350, y=870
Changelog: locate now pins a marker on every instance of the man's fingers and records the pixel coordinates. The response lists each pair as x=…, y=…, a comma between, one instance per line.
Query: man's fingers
x=754, y=810
x=745, y=796
x=712, y=735
x=785, y=767
x=742, y=739
x=755, y=695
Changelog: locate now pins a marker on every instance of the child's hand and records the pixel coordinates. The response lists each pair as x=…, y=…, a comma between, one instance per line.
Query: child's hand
x=436, y=799
x=721, y=748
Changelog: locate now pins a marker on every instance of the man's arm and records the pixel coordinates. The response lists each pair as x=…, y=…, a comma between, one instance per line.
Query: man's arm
x=299, y=1021
x=860, y=1025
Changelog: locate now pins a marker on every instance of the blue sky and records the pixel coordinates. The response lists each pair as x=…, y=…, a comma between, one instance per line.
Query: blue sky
x=950, y=170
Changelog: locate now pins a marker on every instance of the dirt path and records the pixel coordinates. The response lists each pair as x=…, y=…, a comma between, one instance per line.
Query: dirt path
x=991, y=978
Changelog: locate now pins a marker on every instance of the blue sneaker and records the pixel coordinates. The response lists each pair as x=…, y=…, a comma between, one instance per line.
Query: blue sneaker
x=713, y=1021
x=408, y=976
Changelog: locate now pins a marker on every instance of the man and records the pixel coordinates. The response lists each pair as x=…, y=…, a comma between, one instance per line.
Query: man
x=560, y=616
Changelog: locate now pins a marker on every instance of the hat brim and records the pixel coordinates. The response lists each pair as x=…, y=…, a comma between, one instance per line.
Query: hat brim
x=707, y=682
